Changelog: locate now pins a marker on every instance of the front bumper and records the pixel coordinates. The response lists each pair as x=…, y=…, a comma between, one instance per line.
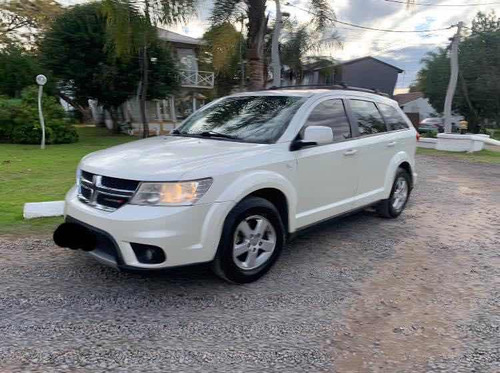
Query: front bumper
x=186, y=234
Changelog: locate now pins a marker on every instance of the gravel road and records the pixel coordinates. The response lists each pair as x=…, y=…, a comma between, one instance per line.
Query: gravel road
x=361, y=294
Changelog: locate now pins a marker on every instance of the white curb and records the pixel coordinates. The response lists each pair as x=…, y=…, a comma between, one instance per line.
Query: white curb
x=43, y=209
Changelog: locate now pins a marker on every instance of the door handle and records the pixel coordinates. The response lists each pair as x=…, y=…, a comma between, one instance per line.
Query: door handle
x=391, y=144
x=350, y=152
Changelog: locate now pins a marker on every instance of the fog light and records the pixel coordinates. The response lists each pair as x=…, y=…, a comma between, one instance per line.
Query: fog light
x=148, y=254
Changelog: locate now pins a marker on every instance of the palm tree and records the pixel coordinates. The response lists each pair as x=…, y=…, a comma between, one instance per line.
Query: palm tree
x=300, y=42
x=131, y=27
x=225, y=10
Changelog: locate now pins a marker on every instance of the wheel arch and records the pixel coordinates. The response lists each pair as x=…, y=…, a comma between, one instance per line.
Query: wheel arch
x=403, y=160
x=407, y=167
x=268, y=185
x=278, y=199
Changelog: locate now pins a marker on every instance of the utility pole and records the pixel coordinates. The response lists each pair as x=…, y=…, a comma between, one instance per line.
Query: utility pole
x=452, y=85
x=275, y=53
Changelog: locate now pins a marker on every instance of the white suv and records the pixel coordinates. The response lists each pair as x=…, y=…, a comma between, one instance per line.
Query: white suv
x=238, y=178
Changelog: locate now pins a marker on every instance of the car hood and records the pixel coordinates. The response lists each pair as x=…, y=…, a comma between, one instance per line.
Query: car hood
x=164, y=158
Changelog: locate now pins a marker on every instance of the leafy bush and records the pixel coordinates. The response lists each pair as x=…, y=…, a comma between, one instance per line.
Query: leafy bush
x=19, y=121
x=430, y=134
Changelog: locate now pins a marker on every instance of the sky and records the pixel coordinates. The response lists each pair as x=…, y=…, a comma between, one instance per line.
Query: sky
x=404, y=50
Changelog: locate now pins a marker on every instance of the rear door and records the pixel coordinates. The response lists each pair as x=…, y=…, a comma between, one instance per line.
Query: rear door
x=327, y=174
x=398, y=127
x=375, y=145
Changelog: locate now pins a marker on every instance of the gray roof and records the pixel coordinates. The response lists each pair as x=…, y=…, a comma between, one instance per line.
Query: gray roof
x=174, y=37
x=404, y=98
x=370, y=58
x=319, y=65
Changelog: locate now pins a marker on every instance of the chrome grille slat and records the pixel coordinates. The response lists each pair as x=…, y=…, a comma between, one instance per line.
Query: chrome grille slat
x=125, y=193
x=103, y=197
x=101, y=191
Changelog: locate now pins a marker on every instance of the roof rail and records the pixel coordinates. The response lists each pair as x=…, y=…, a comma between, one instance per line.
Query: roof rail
x=341, y=86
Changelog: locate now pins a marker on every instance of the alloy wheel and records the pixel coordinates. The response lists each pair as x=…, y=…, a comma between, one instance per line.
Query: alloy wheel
x=400, y=194
x=254, y=242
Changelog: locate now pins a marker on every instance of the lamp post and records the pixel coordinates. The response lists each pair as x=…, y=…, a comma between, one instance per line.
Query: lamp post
x=41, y=80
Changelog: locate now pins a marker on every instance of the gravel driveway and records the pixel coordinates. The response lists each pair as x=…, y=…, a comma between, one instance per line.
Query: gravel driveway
x=360, y=294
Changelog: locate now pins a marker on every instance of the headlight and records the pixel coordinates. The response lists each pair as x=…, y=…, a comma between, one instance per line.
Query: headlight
x=179, y=193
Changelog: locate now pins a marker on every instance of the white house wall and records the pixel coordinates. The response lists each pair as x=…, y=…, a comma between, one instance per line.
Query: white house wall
x=420, y=106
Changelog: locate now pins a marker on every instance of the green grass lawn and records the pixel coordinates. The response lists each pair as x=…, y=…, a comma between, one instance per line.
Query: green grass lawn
x=485, y=156
x=29, y=174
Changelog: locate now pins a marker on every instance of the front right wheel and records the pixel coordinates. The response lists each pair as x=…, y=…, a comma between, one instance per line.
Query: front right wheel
x=251, y=242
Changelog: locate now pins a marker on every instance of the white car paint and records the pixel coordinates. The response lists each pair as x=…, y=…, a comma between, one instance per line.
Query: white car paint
x=319, y=182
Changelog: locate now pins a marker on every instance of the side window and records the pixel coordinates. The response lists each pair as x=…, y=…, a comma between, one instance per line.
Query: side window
x=369, y=119
x=331, y=113
x=393, y=118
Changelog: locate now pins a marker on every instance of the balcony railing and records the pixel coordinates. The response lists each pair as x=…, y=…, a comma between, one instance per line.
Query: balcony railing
x=197, y=79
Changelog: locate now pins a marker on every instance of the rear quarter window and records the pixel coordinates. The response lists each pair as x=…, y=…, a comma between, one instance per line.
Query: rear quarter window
x=394, y=119
x=369, y=119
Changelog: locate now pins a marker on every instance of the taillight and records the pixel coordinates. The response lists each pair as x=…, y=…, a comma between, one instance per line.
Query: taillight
x=418, y=136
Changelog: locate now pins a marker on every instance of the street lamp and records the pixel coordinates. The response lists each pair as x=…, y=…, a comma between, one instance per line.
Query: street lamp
x=41, y=80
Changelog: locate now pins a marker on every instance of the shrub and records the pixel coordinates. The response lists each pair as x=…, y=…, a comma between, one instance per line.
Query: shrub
x=19, y=121
x=430, y=134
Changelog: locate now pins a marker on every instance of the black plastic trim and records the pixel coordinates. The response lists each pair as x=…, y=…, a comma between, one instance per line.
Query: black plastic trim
x=119, y=258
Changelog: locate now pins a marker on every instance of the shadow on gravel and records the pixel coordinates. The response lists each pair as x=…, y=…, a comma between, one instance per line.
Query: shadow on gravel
x=335, y=229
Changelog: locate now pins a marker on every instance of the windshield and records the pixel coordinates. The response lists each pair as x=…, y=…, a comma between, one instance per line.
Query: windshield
x=261, y=119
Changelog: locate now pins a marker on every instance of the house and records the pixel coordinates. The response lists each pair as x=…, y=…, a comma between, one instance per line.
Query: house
x=416, y=106
x=163, y=114
x=366, y=72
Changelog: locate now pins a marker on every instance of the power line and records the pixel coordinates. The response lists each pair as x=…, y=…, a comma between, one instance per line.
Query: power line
x=443, y=5
x=372, y=28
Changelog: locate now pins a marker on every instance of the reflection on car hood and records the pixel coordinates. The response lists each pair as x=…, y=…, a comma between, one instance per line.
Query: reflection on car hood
x=162, y=158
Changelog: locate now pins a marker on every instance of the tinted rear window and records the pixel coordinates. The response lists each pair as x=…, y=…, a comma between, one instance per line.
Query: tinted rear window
x=369, y=119
x=393, y=118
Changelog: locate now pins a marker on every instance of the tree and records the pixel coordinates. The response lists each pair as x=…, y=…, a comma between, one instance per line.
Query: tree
x=299, y=42
x=23, y=20
x=229, y=10
x=221, y=53
x=131, y=26
x=74, y=49
x=18, y=69
x=478, y=96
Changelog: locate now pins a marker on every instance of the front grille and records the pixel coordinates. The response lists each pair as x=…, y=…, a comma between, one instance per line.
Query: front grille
x=104, y=192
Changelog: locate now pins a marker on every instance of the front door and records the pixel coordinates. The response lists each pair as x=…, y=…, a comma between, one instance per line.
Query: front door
x=327, y=174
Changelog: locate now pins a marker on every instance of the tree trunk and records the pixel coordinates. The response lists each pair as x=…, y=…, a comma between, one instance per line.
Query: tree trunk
x=474, y=118
x=275, y=53
x=85, y=111
x=114, y=119
x=144, y=92
x=257, y=23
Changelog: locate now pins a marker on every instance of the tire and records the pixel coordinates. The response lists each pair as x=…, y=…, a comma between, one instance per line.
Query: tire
x=246, y=251
x=392, y=207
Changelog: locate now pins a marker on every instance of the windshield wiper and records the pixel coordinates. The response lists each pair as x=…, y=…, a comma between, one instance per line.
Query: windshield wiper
x=215, y=134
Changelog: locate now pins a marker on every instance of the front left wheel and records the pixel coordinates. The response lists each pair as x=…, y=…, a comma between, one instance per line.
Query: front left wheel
x=251, y=242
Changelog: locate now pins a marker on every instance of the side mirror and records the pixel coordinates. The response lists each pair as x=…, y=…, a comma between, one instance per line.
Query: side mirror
x=314, y=135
